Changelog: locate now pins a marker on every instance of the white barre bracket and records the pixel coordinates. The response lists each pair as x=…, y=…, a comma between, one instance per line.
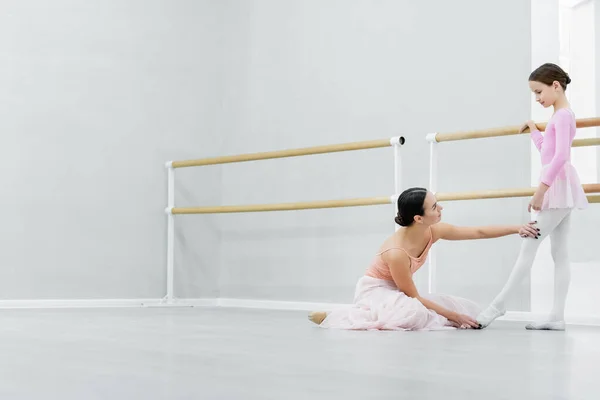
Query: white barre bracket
x=169, y=210
x=431, y=137
x=397, y=141
x=169, y=164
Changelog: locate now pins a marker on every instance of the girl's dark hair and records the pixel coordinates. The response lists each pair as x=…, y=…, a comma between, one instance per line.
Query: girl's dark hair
x=548, y=73
x=410, y=204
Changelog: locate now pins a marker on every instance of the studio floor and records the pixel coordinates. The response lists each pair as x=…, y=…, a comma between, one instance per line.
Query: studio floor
x=225, y=353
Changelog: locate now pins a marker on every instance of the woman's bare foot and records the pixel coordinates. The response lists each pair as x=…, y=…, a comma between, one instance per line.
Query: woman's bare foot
x=317, y=317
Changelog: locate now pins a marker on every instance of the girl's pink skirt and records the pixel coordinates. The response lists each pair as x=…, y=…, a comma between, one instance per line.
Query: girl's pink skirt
x=565, y=191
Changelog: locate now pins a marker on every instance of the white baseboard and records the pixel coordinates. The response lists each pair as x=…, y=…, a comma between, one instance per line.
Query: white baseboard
x=104, y=303
x=189, y=303
x=519, y=316
x=308, y=306
x=523, y=316
x=214, y=302
x=514, y=316
x=278, y=305
x=78, y=303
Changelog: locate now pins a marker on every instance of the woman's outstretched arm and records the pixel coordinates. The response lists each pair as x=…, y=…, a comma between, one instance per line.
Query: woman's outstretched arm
x=453, y=232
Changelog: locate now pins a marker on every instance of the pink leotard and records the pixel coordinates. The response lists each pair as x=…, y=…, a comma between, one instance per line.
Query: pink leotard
x=381, y=270
x=565, y=189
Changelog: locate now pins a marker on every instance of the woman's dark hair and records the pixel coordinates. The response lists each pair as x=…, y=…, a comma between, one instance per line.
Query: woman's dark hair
x=548, y=73
x=410, y=204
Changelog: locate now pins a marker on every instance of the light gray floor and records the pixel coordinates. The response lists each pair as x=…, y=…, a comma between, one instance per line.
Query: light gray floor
x=208, y=353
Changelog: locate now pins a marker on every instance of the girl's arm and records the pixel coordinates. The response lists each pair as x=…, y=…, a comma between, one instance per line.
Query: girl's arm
x=452, y=232
x=536, y=135
x=562, y=150
x=537, y=138
x=400, y=269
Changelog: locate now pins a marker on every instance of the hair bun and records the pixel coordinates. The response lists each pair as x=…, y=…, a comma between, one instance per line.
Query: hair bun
x=568, y=80
x=399, y=221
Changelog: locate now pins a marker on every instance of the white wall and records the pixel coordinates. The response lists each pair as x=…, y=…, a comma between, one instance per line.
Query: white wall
x=95, y=97
x=596, y=5
x=90, y=87
x=318, y=72
x=545, y=48
x=583, y=69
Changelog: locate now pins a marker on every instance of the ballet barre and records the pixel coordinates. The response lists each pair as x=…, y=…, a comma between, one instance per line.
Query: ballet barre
x=369, y=201
x=396, y=142
x=333, y=148
x=507, y=131
x=586, y=142
x=435, y=139
x=504, y=193
x=593, y=199
x=308, y=205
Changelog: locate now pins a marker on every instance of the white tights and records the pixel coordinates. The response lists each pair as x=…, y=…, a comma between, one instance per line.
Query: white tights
x=556, y=224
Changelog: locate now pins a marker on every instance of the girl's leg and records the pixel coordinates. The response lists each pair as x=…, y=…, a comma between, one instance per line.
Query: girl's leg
x=562, y=277
x=547, y=221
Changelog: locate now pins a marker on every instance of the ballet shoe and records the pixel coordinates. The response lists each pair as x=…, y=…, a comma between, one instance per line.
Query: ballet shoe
x=317, y=317
x=487, y=316
x=546, y=326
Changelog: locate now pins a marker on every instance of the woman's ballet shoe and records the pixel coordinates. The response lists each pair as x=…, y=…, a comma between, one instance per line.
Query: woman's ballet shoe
x=317, y=317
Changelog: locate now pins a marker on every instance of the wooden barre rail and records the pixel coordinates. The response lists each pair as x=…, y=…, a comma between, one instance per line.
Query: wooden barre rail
x=368, y=201
x=586, y=142
x=334, y=148
x=373, y=144
x=504, y=193
x=507, y=131
x=482, y=194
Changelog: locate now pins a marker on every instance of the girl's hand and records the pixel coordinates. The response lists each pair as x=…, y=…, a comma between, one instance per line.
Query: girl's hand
x=529, y=230
x=529, y=124
x=536, y=202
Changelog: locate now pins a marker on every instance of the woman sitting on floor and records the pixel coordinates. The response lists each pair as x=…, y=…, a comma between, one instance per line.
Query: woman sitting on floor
x=386, y=297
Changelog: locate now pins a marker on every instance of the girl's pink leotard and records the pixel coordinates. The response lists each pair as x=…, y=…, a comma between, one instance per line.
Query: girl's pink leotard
x=565, y=189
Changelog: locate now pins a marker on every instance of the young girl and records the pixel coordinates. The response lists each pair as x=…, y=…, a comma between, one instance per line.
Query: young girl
x=386, y=297
x=559, y=192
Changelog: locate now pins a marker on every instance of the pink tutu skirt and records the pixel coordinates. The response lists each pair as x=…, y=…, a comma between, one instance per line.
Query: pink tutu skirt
x=565, y=191
x=379, y=305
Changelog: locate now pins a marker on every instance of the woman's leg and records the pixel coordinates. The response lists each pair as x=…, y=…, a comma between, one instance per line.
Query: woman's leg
x=547, y=222
x=562, y=277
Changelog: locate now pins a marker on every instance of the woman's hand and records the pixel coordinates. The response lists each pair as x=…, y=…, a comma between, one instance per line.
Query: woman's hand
x=463, y=321
x=529, y=124
x=529, y=230
x=536, y=201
